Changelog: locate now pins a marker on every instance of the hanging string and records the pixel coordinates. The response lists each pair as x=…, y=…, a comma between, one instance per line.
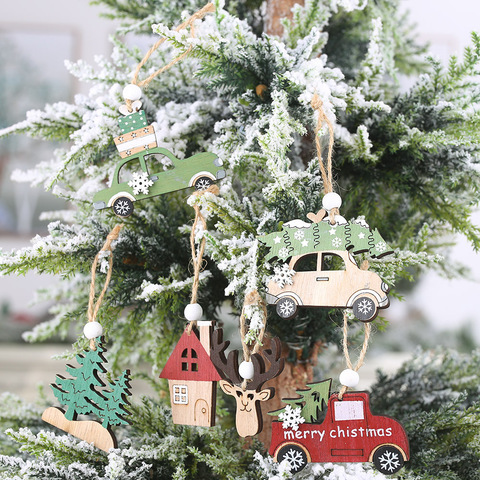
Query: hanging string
x=208, y=8
x=93, y=306
x=325, y=170
x=197, y=257
x=363, y=352
x=252, y=298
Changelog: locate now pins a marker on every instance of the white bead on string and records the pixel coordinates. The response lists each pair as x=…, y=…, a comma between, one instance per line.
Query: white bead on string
x=193, y=312
x=92, y=330
x=349, y=378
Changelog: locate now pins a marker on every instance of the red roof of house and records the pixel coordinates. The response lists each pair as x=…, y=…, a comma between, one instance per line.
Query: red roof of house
x=179, y=365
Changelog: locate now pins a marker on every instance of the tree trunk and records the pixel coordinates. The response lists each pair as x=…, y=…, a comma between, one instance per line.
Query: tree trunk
x=276, y=10
x=294, y=375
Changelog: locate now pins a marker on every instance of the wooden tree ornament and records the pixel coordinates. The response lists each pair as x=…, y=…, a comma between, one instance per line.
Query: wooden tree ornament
x=248, y=394
x=83, y=395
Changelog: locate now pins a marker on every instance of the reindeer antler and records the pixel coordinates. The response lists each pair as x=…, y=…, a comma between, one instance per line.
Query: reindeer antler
x=226, y=367
x=261, y=375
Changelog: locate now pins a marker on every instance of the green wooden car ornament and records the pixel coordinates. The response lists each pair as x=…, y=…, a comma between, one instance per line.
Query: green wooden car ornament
x=155, y=171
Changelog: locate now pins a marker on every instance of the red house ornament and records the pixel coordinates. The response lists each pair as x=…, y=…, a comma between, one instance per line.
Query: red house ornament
x=192, y=378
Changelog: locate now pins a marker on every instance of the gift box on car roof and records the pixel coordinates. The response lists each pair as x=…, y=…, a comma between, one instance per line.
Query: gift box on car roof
x=136, y=135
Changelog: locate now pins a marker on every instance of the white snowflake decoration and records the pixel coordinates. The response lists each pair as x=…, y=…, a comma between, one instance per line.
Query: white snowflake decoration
x=381, y=246
x=291, y=417
x=140, y=183
x=336, y=242
x=283, y=252
x=283, y=275
x=299, y=234
x=390, y=461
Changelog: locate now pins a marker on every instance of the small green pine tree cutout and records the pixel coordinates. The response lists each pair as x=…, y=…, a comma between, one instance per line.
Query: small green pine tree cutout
x=80, y=396
x=313, y=401
x=116, y=400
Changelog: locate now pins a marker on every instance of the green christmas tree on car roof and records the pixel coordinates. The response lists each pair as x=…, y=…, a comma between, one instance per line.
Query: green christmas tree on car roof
x=84, y=394
x=311, y=401
x=298, y=237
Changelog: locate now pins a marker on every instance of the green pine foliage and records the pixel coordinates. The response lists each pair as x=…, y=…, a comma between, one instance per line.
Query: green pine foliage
x=435, y=397
x=404, y=161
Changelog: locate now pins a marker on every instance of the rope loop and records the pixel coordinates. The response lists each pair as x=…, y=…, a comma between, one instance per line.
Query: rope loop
x=93, y=306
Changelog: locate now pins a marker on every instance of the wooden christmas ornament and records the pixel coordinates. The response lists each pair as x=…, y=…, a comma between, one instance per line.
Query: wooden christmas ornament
x=247, y=393
x=349, y=433
x=152, y=177
x=138, y=147
x=192, y=378
x=321, y=271
x=83, y=394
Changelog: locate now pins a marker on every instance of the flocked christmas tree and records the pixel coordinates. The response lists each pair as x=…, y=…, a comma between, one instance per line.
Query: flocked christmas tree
x=405, y=161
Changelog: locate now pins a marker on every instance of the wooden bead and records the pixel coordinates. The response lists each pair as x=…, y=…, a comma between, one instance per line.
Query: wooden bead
x=132, y=92
x=349, y=378
x=331, y=200
x=193, y=312
x=92, y=330
x=246, y=370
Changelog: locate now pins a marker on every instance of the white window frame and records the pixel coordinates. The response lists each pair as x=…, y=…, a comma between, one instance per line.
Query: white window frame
x=180, y=394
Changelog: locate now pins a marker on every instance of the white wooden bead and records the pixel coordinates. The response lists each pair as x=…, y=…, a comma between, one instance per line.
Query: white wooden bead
x=349, y=378
x=331, y=200
x=246, y=370
x=193, y=312
x=132, y=92
x=92, y=330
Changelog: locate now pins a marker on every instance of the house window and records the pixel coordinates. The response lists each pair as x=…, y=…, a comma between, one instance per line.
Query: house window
x=180, y=394
x=189, y=360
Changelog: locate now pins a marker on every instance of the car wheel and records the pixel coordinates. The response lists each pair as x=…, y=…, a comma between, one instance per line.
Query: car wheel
x=365, y=309
x=388, y=459
x=295, y=456
x=202, y=183
x=122, y=207
x=286, y=307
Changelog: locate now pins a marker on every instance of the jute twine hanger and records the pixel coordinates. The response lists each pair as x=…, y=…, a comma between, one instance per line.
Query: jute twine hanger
x=252, y=298
x=197, y=256
x=93, y=306
x=366, y=339
x=327, y=178
x=208, y=8
x=325, y=170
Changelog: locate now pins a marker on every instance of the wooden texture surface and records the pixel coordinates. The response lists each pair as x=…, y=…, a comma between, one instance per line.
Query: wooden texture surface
x=192, y=379
x=90, y=431
x=349, y=433
x=248, y=395
x=332, y=288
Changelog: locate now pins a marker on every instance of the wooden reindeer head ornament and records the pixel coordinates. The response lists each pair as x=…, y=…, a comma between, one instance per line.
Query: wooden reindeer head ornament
x=247, y=393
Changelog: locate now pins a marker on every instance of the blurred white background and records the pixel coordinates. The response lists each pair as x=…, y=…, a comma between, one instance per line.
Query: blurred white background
x=44, y=33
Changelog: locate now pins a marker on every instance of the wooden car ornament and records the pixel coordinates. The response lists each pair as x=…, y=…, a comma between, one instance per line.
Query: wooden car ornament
x=147, y=170
x=321, y=269
x=348, y=433
x=84, y=394
x=248, y=417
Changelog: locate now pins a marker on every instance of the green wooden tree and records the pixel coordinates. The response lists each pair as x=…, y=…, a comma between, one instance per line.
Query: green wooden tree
x=81, y=395
x=116, y=400
x=312, y=400
x=298, y=237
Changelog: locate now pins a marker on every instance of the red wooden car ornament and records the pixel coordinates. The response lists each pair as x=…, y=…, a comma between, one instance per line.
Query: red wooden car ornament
x=349, y=433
